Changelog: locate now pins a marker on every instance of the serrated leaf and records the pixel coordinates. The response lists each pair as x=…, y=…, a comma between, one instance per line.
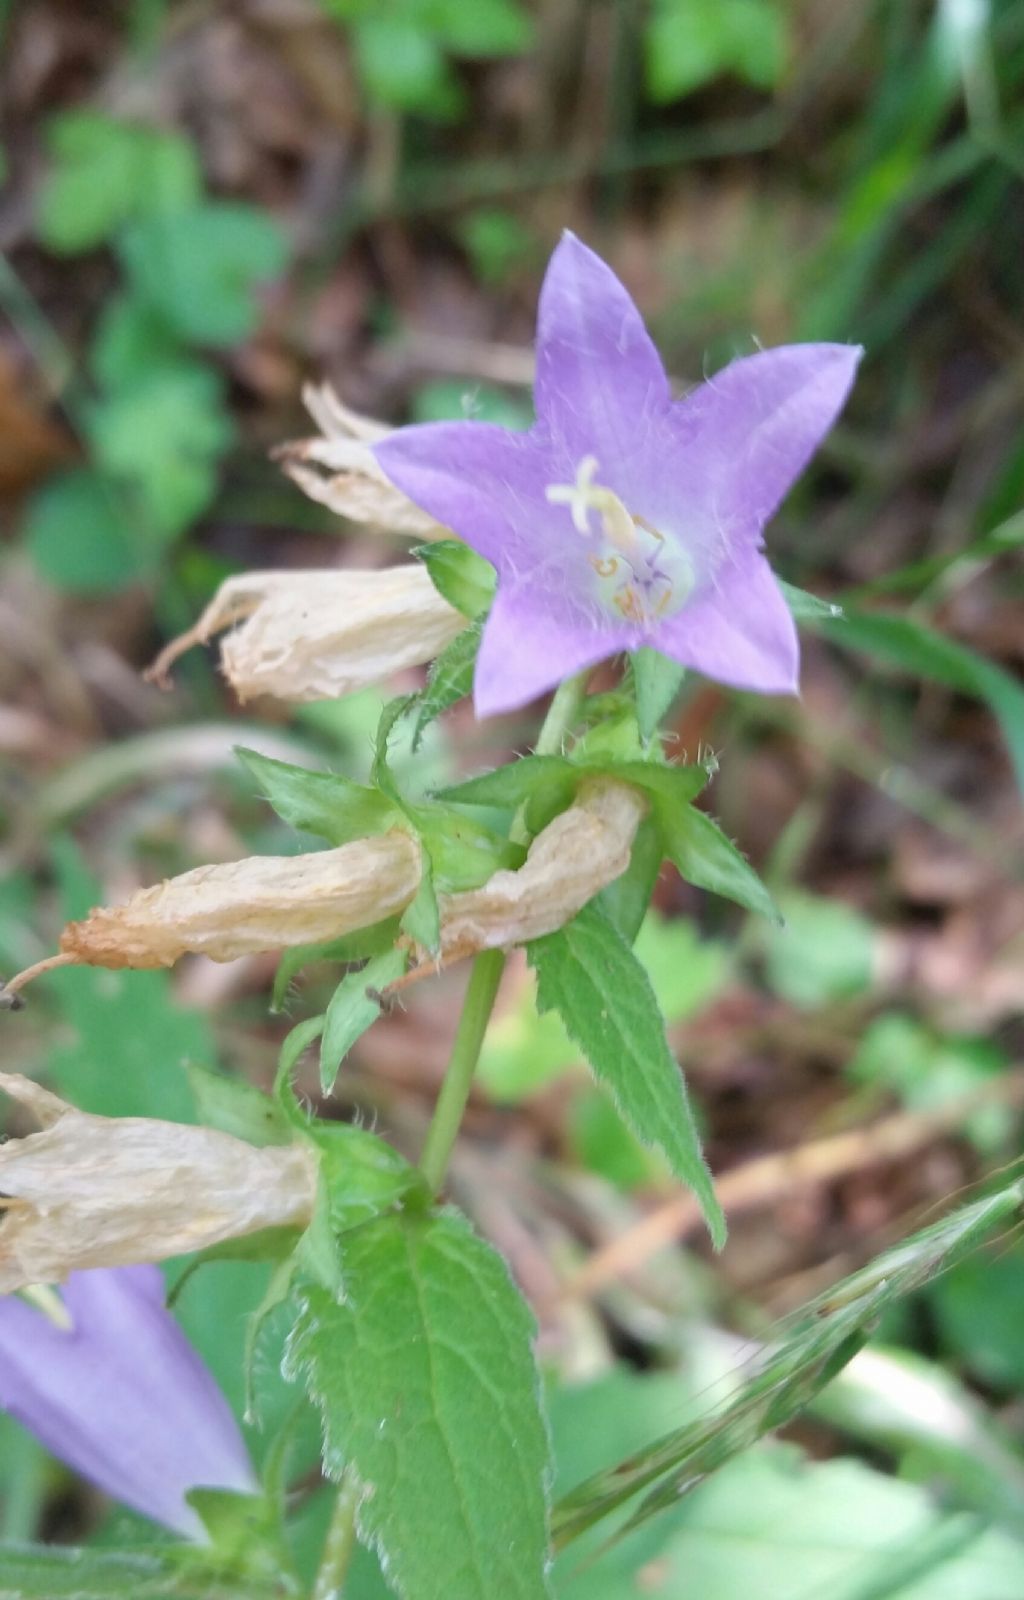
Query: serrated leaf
x=590, y=976
x=459, y=575
x=324, y=803
x=106, y=171
x=450, y=679
x=704, y=856
x=657, y=680
x=426, y=1381
x=353, y=1009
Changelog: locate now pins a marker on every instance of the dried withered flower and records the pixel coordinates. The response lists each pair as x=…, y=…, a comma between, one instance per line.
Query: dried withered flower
x=339, y=470
x=317, y=635
x=238, y=908
x=585, y=848
x=93, y=1191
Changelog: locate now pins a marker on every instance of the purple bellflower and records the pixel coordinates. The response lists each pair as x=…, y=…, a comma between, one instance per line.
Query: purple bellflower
x=623, y=517
x=111, y=1386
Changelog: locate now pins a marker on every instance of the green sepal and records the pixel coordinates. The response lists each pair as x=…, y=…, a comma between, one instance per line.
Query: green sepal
x=237, y=1107
x=702, y=855
x=358, y=946
x=355, y=1007
x=656, y=681
x=625, y=900
x=466, y=580
x=324, y=803
x=449, y=680
x=245, y=1533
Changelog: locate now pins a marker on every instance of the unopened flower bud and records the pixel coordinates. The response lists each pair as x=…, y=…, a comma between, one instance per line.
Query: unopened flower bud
x=93, y=1191
x=339, y=469
x=317, y=635
x=584, y=849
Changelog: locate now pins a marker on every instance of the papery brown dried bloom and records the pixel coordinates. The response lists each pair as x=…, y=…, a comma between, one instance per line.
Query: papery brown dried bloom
x=317, y=635
x=340, y=471
x=94, y=1191
x=585, y=848
x=238, y=908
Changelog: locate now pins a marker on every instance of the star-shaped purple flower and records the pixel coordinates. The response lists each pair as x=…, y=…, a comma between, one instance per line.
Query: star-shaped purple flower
x=625, y=518
x=121, y=1396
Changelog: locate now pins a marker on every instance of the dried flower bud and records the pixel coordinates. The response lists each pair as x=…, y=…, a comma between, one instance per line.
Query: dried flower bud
x=585, y=848
x=317, y=635
x=238, y=908
x=94, y=1191
x=339, y=470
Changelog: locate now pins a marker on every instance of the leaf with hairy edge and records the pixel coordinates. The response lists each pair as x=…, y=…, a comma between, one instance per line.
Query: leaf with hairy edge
x=357, y=946
x=323, y=803
x=450, y=679
x=429, y=1393
x=354, y=1007
x=657, y=680
x=704, y=856
x=590, y=976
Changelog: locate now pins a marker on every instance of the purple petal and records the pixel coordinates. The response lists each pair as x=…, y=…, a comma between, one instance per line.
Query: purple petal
x=528, y=647
x=739, y=631
x=122, y=1397
x=600, y=380
x=484, y=482
x=742, y=439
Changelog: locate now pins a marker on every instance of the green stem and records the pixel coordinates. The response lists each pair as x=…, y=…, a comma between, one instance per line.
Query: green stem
x=339, y=1544
x=451, y=1102
x=485, y=977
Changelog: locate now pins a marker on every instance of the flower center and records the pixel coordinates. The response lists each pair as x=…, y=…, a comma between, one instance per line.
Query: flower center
x=639, y=574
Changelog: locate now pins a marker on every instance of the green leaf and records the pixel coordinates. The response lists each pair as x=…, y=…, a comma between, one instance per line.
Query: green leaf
x=690, y=42
x=704, y=856
x=484, y=28
x=107, y=171
x=402, y=66
x=131, y=342
x=775, y=1523
x=450, y=679
x=324, y=803
x=788, y=1376
x=509, y=786
x=590, y=976
x=806, y=607
x=926, y=653
x=65, y=1573
x=459, y=575
x=823, y=951
x=354, y=1008
x=200, y=268
x=625, y=900
x=237, y=1107
x=357, y=946
x=657, y=680
x=426, y=1381
x=79, y=537
x=163, y=436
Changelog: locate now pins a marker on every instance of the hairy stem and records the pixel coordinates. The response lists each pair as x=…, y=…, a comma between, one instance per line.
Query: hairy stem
x=339, y=1544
